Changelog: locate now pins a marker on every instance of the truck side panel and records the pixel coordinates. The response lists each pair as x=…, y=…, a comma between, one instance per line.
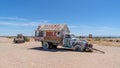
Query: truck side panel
x=52, y=39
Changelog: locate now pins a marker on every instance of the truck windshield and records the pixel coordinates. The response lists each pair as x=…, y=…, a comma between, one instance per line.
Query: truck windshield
x=70, y=36
x=67, y=36
x=73, y=36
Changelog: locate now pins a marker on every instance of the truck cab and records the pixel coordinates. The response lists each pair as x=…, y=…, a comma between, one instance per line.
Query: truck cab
x=68, y=40
x=71, y=41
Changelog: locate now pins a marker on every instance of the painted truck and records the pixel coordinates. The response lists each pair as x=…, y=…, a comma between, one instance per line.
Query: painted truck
x=52, y=35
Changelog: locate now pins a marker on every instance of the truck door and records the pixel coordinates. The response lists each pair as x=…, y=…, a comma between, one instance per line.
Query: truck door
x=66, y=41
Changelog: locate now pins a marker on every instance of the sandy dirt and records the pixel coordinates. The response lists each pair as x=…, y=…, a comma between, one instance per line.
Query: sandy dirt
x=31, y=55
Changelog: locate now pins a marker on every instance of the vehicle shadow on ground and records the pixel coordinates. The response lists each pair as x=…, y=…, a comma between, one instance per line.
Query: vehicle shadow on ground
x=61, y=50
x=53, y=50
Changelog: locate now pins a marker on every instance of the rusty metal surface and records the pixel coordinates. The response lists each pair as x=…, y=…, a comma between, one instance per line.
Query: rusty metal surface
x=53, y=27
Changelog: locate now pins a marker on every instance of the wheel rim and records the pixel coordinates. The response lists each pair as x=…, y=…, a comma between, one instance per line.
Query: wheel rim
x=45, y=46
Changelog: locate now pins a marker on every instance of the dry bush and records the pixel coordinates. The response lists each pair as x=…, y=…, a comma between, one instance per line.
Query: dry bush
x=26, y=39
x=111, y=40
x=117, y=40
x=97, y=39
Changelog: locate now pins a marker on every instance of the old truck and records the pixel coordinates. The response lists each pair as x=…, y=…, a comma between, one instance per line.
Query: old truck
x=52, y=35
x=19, y=39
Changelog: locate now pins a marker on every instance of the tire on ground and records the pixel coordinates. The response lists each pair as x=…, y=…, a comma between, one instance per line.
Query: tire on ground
x=78, y=48
x=45, y=45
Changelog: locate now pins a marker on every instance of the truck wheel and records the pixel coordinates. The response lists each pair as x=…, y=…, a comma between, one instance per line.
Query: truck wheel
x=45, y=45
x=78, y=48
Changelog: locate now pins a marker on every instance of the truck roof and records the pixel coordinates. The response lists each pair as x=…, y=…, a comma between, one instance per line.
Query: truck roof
x=53, y=27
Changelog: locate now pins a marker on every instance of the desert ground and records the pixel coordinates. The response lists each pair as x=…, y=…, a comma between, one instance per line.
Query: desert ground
x=31, y=55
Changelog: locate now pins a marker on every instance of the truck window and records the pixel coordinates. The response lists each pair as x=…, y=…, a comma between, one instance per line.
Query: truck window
x=36, y=33
x=73, y=36
x=41, y=33
x=58, y=33
x=67, y=36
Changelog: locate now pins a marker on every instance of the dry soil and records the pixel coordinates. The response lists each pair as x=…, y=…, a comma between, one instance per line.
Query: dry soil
x=31, y=55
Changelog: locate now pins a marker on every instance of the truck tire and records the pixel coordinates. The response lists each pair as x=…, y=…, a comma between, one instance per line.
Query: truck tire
x=45, y=45
x=78, y=48
x=50, y=45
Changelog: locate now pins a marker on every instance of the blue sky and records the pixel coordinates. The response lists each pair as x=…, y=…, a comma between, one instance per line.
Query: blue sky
x=83, y=17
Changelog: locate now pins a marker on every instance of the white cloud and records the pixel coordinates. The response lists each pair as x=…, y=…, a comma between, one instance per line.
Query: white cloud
x=76, y=29
x=16, y=21
x=13, y=18
x=21, y=22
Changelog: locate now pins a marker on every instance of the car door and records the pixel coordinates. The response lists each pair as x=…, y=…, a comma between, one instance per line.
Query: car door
x=66, y=41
